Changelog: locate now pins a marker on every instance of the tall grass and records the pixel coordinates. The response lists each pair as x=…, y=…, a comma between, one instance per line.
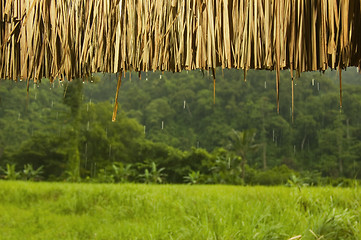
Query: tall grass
x=130, y=211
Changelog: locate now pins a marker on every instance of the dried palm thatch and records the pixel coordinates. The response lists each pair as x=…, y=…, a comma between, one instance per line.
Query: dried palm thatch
x=73, y=38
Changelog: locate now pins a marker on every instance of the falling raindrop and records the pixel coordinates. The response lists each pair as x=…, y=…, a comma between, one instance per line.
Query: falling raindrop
x=19, y=116
x=86, y=154
x=313, y=82
x=162, y=125
x=160, y=76
x=144, y=129
x=88, y=126
x=318, y=86
x=184, y=104
x=52, y=103
x=273, y=135
x=265, y=84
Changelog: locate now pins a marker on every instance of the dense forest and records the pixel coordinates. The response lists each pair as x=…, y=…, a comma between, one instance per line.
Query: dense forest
x=169, y=130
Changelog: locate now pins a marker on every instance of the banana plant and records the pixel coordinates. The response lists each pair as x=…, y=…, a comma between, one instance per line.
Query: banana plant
x=192, y=177
x=31, y=174
x=155, y=175
x=122, y=172
x=10, y=173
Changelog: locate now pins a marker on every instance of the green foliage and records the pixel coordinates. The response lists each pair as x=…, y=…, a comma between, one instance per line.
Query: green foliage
x=31, y=174
x=104, y=176
x=193, y=177
x=275, y=176
x=10, y=172
x=154, y=175
x=227, y=170
x=172, y=121
x=122, y=173
x=242, y=144
x=138, y=211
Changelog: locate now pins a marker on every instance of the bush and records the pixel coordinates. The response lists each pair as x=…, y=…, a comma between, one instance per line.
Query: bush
x=275, y=176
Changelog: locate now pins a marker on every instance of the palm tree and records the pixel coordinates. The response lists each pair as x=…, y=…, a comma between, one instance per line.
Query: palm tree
x=241, y=144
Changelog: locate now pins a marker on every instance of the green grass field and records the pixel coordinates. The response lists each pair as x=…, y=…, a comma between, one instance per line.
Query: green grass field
x=132, y=211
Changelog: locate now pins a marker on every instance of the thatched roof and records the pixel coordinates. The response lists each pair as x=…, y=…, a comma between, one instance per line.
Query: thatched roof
x=44, y=38
x=73, y=38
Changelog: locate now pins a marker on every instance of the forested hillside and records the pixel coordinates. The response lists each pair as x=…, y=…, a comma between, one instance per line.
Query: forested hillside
x=168, y=128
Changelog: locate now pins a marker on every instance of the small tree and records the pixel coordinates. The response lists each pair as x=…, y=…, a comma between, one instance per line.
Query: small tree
x=155, y=175
x=242, y=143
x=192, y=177
x=122, y=172
x=31, y=174
x=10, y=172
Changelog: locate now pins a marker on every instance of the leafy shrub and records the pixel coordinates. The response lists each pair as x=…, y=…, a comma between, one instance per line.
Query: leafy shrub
x=275, y=176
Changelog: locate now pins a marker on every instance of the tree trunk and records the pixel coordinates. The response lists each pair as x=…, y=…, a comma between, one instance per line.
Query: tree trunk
x=243, y=168
x=264, y=156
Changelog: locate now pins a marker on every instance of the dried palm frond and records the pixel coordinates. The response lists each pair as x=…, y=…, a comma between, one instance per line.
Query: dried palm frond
x=57, y=39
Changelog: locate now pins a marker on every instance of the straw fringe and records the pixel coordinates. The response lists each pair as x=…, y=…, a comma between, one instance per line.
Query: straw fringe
x=44, y=38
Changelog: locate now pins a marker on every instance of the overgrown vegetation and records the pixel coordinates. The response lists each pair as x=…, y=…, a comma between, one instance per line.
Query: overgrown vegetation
x=169, y=131
x=129, y=211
